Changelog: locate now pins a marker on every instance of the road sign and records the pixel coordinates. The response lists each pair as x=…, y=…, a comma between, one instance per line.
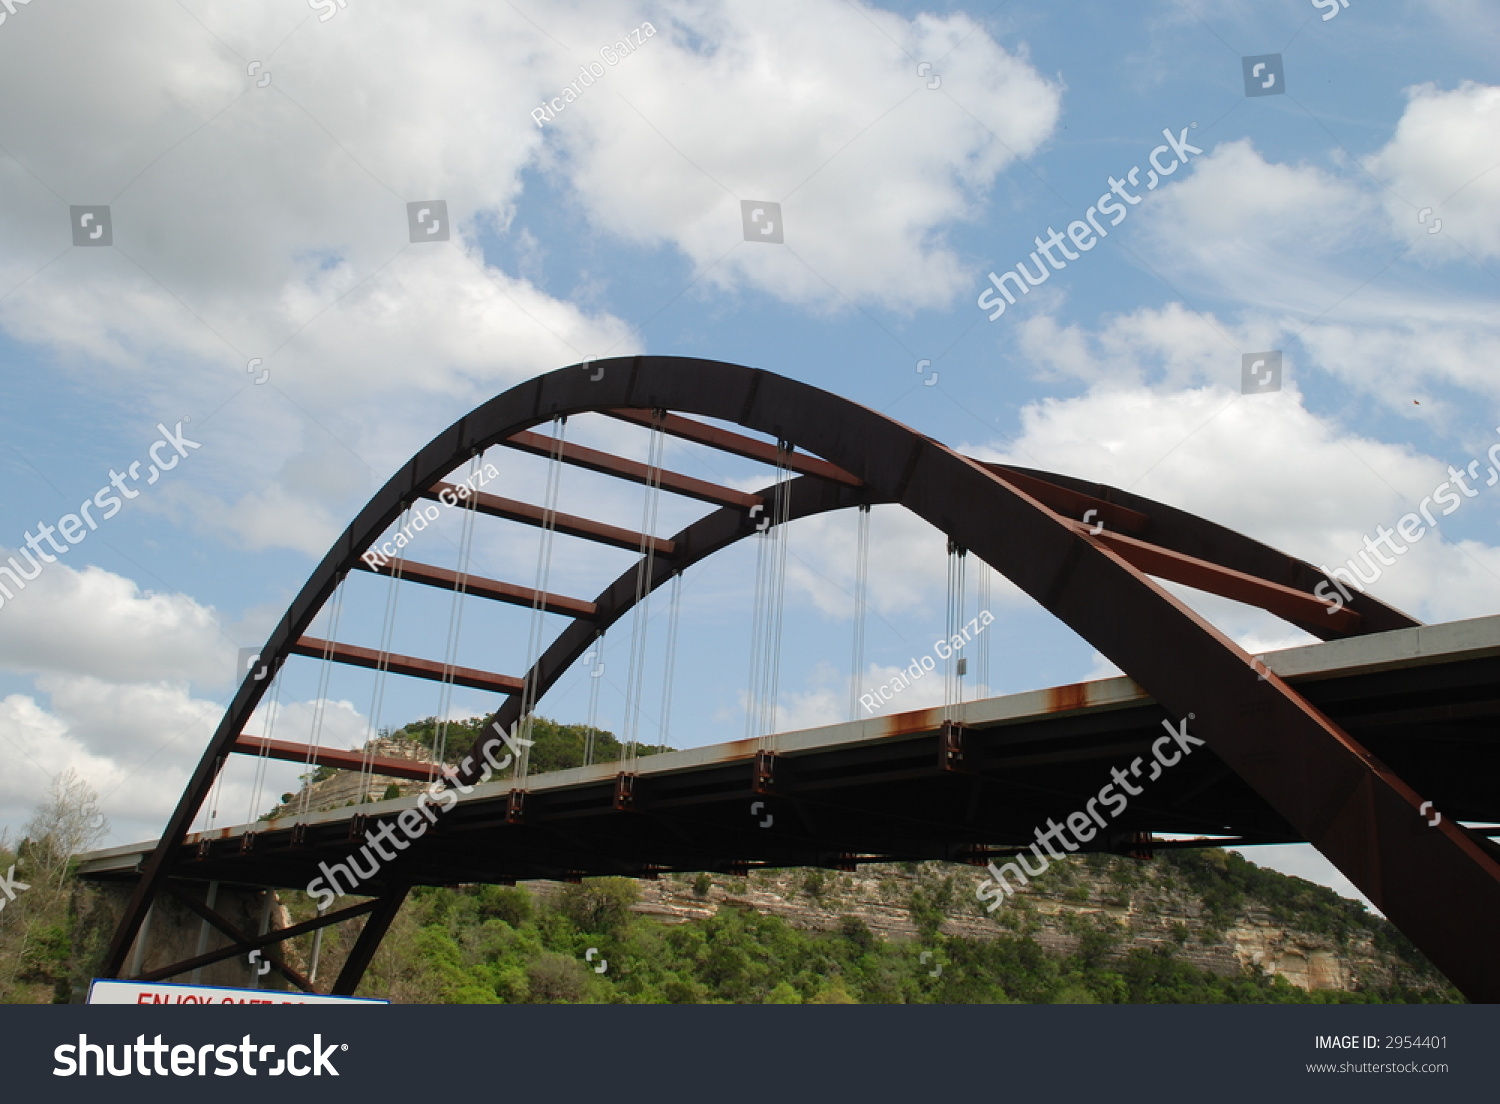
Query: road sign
x=107, y=991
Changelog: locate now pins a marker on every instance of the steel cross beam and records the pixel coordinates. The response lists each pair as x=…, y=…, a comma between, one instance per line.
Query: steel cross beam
x=377, y=660
x=735, y=443
x=341, y=759
x=528, y=514
x=511, y=593
x=280, y=935
x=239, y=938
x=539, y=444
x=387, y=905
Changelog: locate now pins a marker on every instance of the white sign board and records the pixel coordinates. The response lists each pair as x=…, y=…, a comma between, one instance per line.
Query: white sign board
x=107, y=991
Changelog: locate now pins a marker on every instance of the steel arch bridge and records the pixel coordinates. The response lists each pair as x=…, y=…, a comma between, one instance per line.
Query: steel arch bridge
x=1283, y=769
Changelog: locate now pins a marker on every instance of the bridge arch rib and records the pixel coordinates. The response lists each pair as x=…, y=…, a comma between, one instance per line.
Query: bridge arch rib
x=1437, y=883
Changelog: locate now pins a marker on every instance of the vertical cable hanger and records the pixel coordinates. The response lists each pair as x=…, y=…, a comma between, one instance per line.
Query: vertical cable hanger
x=861, y=601
x=675, y=607
x=595, y=672
x=529, y=693
x=956, y=665
x=320, y=702
x=777, y=594
x=263, y=757
x=982, y=657
x=769, y=604
x=382, y=674
x=455, y=619
x=757, y=616
x=644, y=572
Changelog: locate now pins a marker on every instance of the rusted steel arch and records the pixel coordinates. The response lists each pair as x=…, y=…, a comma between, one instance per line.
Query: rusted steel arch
x=1436, y=883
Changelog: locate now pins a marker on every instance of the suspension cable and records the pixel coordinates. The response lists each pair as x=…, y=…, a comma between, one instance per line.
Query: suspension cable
x=529, y=687
x=320, y=703
x=263, y=757
x=377, y=691
x=455, y=622
x=861, y=599
x=596, y=670
x=955, y=665
x=982, y=659
x=778, y=593
x=641, y=612
x=768, y=608
x=675, y=608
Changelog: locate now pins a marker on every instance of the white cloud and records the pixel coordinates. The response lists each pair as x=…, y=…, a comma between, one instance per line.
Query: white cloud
x=1267, y=467
x=1260, y=232
x=808, y=105
x=1445, y=155
x=138, y=743
x=95, y=623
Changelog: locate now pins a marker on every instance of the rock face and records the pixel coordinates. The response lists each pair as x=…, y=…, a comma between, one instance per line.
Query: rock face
x=1141, y=904
x=342, y=788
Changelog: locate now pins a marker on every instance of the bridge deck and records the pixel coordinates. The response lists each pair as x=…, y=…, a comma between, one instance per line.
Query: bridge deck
x=1423, y=699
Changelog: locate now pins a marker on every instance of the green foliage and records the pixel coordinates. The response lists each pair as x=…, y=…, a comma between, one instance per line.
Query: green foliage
x=556, y=746
x=1225, y=881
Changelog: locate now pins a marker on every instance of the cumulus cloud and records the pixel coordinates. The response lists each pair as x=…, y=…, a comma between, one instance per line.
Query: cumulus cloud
x=822, y=102
x=1445, y=155
x=1232, y=458
x=267, y=221
x=1260, y=232
x=137, y=744
x=95, y=623
x=1337, y=256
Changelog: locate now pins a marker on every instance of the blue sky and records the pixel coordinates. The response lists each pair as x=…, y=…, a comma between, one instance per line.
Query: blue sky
x=1351, y=221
